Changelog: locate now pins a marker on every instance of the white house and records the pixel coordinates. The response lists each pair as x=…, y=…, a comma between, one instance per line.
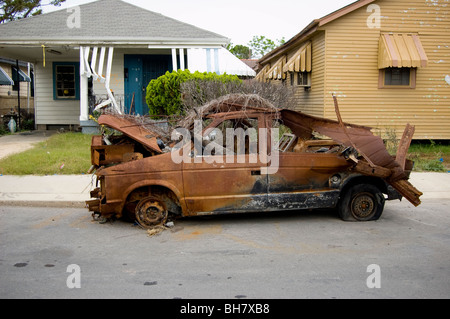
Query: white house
x=107, y=50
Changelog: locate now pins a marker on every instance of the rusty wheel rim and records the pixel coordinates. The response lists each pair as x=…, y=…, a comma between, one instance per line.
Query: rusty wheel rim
x=363, y=206
x=151, y=212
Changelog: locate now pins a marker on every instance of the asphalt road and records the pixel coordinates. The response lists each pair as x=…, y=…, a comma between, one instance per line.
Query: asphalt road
x=63, y=253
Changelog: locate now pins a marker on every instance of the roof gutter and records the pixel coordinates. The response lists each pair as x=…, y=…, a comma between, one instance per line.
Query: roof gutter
x=115, y=42
x=300, y=37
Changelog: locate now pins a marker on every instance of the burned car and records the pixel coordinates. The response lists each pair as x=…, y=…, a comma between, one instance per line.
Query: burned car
x=242, y=154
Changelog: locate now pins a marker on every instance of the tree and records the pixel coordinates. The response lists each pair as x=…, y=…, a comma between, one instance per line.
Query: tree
x=240, y=51
x=260, y=45
x=19, y=9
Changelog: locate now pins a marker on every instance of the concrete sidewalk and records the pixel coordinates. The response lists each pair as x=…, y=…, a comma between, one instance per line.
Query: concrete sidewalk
x=73, y=190
x=54, y=190
x=22, y=141
x=432, y=185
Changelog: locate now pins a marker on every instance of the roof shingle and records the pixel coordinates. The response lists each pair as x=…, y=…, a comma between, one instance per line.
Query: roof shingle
x=105, y=20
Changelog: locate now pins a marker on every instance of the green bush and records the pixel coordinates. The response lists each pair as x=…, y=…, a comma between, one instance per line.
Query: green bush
x=164, y=93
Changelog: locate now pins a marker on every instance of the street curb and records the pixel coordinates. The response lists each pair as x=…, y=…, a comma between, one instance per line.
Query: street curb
x=54, y=204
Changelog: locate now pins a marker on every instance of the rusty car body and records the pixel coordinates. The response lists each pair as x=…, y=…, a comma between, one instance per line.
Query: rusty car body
x=322, y=163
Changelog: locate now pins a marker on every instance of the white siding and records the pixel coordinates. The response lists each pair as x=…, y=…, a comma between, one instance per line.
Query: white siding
x=47, y=110
x=59, y=112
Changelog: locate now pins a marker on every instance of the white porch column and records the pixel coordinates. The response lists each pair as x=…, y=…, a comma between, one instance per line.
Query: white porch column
x=84, y=105
x=181, y=59
x=174, y=60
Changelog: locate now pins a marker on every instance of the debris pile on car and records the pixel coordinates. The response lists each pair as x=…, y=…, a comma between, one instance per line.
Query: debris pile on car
x=228, y=103
x=155, y=135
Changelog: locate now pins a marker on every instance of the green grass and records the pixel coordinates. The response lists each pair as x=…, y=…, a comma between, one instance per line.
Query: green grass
x=64, y=153
x=430, y=156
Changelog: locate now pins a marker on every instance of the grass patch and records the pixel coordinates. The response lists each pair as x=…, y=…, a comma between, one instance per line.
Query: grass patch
x=430, y=156
x=65, y=153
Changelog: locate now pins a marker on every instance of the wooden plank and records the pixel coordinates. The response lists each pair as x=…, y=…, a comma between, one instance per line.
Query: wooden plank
x=377, y=171
x=403, y=146
x=408, y=191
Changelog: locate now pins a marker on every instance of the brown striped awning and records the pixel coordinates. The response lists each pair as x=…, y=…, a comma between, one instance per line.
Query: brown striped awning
x=401, y=50
x=261, y=76
x=300, y=61
x=276, y=71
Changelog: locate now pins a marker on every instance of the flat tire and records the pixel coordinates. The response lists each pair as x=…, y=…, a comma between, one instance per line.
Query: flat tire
x=361, y=202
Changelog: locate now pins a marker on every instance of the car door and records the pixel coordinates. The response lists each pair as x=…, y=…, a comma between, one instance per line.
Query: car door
x=220, y=183
x=302, y=178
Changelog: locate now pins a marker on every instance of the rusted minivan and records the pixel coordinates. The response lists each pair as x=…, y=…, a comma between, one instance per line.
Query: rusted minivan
x=230, y=158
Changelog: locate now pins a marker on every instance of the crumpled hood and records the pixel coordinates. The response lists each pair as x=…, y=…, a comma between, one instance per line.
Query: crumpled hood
x=144, y=134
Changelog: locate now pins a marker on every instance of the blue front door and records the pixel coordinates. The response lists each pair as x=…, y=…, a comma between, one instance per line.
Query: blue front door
x=139, y=71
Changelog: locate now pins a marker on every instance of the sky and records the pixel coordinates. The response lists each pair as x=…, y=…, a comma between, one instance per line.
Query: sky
x=238, y=20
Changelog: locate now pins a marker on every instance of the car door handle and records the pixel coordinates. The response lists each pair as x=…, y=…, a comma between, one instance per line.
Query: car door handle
x=258, y=172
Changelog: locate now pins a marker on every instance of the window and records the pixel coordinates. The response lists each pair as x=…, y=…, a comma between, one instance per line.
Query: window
x=397, y=78
x=66, y=81
x=302, y=79
x=299, y=78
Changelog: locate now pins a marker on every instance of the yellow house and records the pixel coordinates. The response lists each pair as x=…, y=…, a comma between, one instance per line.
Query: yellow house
x=387, y=61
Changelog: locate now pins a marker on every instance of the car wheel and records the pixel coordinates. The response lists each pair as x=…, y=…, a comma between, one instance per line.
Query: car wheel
x=150, y=212
x=361, y=202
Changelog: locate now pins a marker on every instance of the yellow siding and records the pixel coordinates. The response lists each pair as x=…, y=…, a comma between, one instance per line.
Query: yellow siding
x=352, y=69
x=311, y=102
